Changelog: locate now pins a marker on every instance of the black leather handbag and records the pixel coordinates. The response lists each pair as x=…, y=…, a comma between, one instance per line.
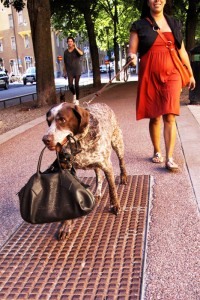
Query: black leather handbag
x=54, y=196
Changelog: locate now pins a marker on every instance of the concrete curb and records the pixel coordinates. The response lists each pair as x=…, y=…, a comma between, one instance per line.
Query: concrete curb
x=12, y=133
x=188, y=122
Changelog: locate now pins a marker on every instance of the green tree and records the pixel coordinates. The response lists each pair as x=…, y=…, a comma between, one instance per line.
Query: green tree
x=39, y=15
x=111, y=8
x=88, y=9
x=191, y=24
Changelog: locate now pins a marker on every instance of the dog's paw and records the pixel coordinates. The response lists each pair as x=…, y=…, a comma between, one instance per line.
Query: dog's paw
x=115, y=209
x=97, y=197
x=63, y=235
x=65, y=230
x=124, y=179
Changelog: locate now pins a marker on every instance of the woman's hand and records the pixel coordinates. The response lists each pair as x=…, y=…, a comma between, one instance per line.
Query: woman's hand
x=192, y=83
x=133, y=58
x=78, y=50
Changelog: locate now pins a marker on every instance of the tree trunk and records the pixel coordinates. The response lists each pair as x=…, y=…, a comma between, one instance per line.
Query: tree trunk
x=116, y=53
x=116, y=45
x=191, y=23
x=39, y=15
x=93, y=47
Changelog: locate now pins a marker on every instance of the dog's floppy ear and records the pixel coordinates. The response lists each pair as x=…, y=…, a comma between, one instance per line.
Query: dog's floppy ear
x=83, y=117
x=48, y=115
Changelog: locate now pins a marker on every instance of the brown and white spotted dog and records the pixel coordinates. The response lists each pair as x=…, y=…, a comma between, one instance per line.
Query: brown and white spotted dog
x=97, y=132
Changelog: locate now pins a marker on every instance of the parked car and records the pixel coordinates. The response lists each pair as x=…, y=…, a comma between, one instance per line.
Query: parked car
x=4, y=80
x=30, y=75
x=15, y=78
x=103, y=69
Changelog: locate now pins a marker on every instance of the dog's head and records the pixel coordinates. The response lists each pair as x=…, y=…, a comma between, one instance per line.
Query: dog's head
x=63, y=120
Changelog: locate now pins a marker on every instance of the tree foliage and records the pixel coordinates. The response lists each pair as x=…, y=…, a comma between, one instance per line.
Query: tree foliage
x=17, y=4
x=111, y=20
x=88, y=10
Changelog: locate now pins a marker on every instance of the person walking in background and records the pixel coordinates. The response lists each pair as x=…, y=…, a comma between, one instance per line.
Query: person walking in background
x=72, y=67
x=159, y=83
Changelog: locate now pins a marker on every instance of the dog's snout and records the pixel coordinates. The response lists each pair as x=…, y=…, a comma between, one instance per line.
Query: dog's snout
x=47, y=139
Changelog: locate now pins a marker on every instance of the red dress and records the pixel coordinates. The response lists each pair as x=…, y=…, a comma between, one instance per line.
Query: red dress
x=159, y=85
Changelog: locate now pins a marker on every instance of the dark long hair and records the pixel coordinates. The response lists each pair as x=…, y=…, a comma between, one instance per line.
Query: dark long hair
x=146, y=10
x=70, y=38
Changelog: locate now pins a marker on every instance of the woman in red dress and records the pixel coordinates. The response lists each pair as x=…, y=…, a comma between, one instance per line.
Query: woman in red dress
x=159, y=84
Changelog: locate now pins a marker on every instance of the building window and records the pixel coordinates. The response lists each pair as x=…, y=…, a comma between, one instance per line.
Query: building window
x=20, y=18
x=26, y=41
x=10, y=18
x=1, y=46
x=13, y=43
x=28, y=61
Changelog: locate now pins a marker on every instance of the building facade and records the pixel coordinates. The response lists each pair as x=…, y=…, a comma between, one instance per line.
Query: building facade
x=16, y=49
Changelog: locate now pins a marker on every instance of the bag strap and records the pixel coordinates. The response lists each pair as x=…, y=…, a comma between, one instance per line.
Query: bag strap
x=154, y=25
x=171, y=49
x=157, y=29
x=40, y=161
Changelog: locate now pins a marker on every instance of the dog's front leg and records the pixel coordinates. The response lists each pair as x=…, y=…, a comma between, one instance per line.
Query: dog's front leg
x=123, y=174
x=114, y=201
x=65, y=229
x=99, y=182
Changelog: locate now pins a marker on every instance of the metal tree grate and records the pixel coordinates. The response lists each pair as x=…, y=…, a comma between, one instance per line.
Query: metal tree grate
x=101, y=259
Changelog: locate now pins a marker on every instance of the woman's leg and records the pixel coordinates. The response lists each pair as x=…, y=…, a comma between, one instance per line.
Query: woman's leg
x=169, y=134
x=77, y=78
x=154, y=130
x=71, y=86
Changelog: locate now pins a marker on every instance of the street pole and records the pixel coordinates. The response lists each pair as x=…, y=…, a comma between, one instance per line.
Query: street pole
x=108, y=52
x=86, y=56
x=14, y=30
x=86, y=51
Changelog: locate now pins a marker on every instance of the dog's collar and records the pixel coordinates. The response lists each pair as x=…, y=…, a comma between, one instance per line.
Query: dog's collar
x=80, y=136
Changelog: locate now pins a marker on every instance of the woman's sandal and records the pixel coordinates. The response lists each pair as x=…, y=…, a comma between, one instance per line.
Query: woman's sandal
x=157, y=158
x=171, y=165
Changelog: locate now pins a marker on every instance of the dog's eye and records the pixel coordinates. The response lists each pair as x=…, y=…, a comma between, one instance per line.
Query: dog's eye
x=60, y=120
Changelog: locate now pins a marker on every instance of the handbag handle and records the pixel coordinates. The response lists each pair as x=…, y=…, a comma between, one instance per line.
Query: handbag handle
x=40, y=161
x=74, y=152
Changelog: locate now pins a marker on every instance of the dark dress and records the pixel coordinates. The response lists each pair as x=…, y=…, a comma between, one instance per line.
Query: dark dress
x=72, y=63
x=159, y=84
